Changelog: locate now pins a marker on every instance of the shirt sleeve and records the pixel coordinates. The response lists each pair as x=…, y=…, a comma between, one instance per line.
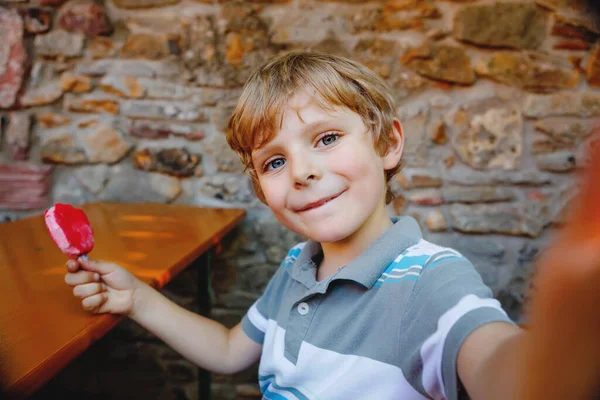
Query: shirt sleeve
x=448, y=302
x=256, y=320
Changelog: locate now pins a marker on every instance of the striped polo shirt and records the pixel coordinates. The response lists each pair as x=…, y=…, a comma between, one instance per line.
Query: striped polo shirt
x=386, y=326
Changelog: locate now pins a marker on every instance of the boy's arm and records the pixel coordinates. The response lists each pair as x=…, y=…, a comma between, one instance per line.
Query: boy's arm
x=489, y=361
x=203, y=341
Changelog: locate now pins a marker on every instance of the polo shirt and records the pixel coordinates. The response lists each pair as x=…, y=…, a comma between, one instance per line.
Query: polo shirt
x=388, y=325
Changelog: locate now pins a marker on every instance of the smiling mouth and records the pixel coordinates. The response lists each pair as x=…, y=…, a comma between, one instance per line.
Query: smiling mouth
x=319, y=203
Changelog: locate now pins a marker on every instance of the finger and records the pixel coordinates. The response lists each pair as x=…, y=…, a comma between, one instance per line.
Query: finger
x=72, y=265
x=93, y=303
x=100, y=267
x=88, y=289
x=81, y=277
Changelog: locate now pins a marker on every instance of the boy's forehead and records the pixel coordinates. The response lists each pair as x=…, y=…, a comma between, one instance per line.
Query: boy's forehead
x=308, y=107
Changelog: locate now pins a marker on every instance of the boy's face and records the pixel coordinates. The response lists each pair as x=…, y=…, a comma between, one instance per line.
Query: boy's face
x=321, y=175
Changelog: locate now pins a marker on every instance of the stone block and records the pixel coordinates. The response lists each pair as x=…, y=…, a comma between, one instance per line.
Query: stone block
x=95, y=141
x=149, y=129
x=585, y=105
x=37, y=20
x=70, y=82
x=532, y=71
x=24, y=186
x=87, y=18
x=514, y=25
x=560, y=161
x=592, y=72
x=174, y=161
x=13, y=57
x=157, y=109
x=442, y=62
x=90, y=104
x=141, y=4
x=131, y=186
x=527, y=219
x=477, y=194
x=17, y=135
x=60, y=43
x=492, y=140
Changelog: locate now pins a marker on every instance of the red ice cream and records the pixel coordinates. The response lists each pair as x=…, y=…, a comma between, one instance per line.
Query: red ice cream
x=70, y=229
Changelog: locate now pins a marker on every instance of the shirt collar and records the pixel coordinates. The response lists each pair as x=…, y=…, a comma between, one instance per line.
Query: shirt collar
x=370, y=264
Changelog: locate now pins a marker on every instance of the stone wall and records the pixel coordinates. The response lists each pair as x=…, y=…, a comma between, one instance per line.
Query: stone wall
x=127, y=100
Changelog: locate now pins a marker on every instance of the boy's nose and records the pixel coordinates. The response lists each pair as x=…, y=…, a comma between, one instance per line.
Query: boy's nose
x=304, y=171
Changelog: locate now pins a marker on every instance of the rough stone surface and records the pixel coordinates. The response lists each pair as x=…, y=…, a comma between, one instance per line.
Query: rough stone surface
x=442, y=62
x=90, y=104
x=560, y=161
x=466, y=177
x=176, y=162
x=478, y=194
x=92, y=177
x=69, y=82
x=17, y=135
x=533, y=71
x=436, y=221
x=130, y=186
x=415, y=145
x=593, y=67
x=514, y=25
x=24, y=186
x=426, y=198
x=137, y=4
x=146, y=46
x=182, y=111
x=87, y=18
x=46, y=94
x=13, y=57
x=585, y=104
x=149, y=129
x=93, y=142
x=493, y=139
x=567, y=131
x=415, y=178
x=527, y=219
x=225, y=158
x=140, y=68
x=123, y=86
x=575, y=27
x=60, y=43
x=51, y=120
x=37, y=20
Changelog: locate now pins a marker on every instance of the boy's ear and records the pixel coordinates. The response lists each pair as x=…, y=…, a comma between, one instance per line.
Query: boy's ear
x=394, y=151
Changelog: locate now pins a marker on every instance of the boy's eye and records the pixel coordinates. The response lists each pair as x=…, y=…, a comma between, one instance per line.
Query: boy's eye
x=329, y=138
x=274, y=164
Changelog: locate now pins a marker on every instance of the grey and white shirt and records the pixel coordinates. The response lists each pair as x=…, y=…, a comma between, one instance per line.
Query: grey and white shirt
x=388, y=325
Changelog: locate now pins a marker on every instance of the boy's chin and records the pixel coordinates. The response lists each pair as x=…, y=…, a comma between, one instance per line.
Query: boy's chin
x=329, y=234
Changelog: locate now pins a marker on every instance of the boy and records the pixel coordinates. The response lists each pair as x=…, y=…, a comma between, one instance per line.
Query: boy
x=365, y=308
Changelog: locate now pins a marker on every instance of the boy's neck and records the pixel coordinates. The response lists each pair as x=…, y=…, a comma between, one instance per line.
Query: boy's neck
x=338, y=254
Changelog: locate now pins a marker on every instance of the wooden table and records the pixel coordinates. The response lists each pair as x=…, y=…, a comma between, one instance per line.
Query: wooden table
x=42, y=325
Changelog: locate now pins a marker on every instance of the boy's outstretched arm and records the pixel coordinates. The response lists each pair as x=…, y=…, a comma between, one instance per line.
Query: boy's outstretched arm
x=105, y=287
x=201, y=340
x=558, y=355
x=489, y=361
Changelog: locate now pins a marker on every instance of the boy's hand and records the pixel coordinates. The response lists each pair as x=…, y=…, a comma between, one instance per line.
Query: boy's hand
x=562, y=357
x=103, y=287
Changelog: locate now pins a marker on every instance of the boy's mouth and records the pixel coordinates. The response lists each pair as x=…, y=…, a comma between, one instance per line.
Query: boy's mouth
x=319, y=203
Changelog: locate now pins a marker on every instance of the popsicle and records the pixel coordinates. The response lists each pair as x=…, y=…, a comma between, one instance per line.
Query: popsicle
x=70, y=229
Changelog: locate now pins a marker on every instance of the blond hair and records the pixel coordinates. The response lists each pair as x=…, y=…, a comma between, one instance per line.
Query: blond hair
x=335, y=81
